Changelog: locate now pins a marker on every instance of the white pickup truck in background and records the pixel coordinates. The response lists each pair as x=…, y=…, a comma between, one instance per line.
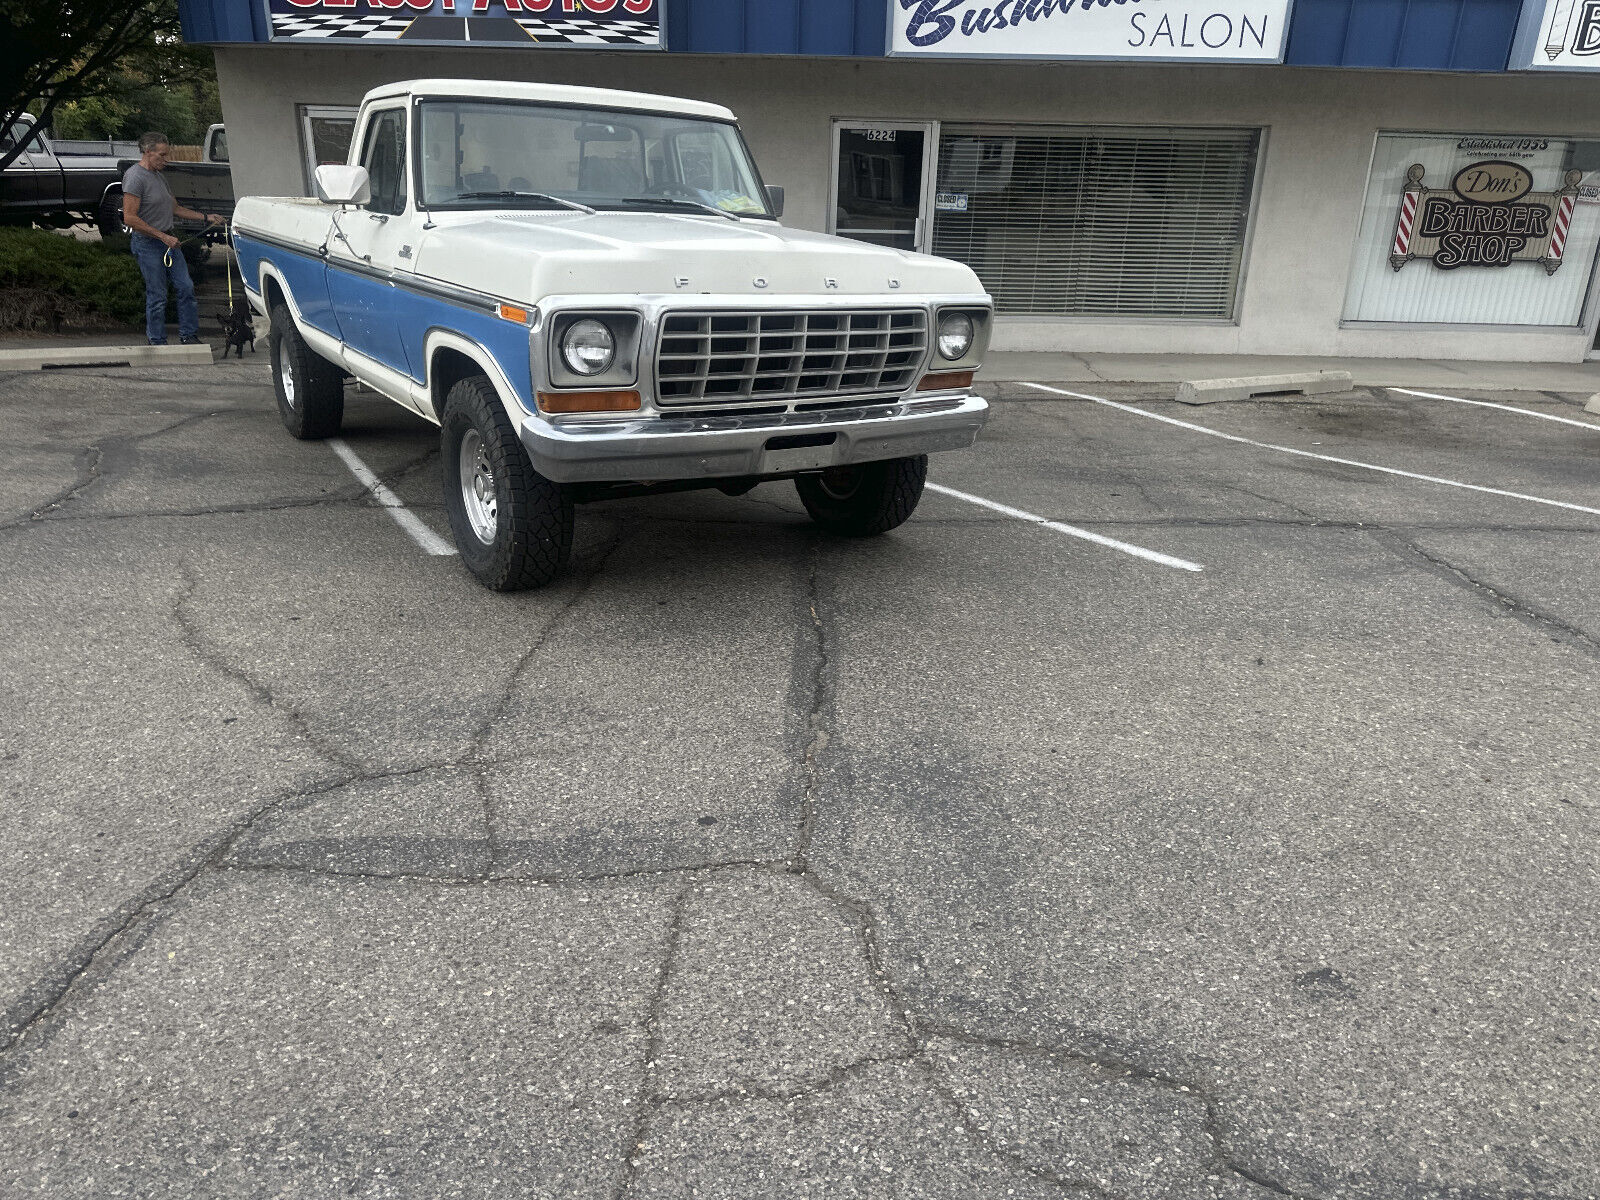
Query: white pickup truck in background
x=589, y=291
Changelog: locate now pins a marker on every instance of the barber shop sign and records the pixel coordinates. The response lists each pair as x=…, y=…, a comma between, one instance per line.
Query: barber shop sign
x=1489, y=216
x=1136, y=30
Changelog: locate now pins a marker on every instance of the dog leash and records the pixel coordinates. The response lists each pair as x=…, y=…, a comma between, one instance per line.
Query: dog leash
x=166, y=259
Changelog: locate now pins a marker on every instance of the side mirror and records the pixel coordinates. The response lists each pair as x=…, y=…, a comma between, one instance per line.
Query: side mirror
x=775, y=199
x=343, y=185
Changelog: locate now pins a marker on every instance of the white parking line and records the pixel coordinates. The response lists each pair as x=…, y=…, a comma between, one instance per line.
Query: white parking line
x=430, y=541
x=1527, y=412
x=1344, y=462
x=1165, y=560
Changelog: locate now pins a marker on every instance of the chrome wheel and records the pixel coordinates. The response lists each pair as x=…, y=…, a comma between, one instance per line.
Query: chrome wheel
x=477, y=487
x=286, y=376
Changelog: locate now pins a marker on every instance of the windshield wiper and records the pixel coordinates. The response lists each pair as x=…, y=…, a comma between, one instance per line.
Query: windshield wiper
x=676, y=202
x=562, y=201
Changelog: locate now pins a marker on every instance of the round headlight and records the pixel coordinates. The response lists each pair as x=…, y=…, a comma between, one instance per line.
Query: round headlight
x=955, y=335
x=588, y=346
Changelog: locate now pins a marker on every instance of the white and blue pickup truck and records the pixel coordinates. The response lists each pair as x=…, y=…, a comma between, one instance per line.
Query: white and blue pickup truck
x=589, y=292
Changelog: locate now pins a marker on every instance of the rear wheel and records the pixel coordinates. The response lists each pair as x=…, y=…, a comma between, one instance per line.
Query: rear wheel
x=109, y=216
x=512, y=525
x=310, y=389
x=866, y=499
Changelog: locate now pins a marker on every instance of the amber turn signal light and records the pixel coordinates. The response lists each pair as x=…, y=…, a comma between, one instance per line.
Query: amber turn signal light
x=942, y=380
x=610, y=400
x=510, y=312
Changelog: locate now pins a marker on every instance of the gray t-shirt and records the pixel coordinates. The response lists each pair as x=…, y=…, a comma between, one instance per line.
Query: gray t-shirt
x=155, y=198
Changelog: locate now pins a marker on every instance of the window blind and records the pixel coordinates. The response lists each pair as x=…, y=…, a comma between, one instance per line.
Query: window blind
x=1098, y=221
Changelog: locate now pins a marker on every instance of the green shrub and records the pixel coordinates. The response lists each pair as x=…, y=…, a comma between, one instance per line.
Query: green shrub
x=99, y=277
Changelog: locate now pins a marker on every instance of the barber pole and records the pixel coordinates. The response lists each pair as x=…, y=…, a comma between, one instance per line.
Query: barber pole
x=1407, y=222
x=1568, y=197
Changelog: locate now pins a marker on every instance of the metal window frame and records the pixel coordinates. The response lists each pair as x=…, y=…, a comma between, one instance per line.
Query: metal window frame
x=305, y=114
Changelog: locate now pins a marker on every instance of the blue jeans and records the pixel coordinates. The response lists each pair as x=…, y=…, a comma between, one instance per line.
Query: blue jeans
x=149, y=253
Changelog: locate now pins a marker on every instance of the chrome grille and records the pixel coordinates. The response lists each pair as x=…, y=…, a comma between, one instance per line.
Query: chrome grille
x=729, y=357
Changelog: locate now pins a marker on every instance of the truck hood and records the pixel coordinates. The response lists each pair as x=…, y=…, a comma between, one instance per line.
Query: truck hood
x=531, y=256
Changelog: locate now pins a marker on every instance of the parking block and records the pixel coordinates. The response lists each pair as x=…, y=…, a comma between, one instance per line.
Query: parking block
x=38, y=358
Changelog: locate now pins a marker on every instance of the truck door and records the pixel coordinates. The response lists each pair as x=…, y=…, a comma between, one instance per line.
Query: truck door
x=16, y=182
x=49, y=180
x=33, y=180
x=365, y=252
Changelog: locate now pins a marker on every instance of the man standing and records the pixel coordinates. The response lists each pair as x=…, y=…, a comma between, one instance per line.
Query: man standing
x=148, y=209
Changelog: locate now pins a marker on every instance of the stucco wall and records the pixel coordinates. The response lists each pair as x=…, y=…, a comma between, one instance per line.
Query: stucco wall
x=1320, y=126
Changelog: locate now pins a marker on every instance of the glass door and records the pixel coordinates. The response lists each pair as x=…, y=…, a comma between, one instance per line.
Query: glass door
x=881, y=175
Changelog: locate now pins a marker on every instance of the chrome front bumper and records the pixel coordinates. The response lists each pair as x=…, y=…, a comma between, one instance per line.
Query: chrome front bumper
x=713, y=447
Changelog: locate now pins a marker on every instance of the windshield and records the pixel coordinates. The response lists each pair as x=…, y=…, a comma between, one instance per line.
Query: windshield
x=478, y=154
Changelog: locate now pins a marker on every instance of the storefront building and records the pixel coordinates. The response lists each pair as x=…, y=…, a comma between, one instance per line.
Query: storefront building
x=1387, y=178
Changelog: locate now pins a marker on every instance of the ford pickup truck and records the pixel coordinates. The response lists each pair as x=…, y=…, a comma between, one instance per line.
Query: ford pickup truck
x=590, y=293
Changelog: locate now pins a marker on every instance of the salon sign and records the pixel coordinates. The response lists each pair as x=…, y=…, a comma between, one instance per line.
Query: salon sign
x=1488, y=216
x=1126, y=30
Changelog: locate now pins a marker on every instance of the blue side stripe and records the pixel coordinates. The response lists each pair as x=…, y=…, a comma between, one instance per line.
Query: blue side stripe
x=413, y=314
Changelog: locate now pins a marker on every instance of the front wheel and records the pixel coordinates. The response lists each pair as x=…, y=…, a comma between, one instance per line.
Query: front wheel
x=310, y=389
x=866, y=499
x=512, y=525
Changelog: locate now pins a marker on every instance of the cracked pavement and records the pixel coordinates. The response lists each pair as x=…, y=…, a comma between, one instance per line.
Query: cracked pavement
x=745, y=862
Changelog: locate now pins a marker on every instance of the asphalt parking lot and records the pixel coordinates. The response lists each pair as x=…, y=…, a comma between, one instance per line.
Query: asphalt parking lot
x=977, y=860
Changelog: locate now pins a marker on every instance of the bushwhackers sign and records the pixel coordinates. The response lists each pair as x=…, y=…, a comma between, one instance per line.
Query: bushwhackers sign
x=619, y=24
x=1489, y=216
x=1143, y=30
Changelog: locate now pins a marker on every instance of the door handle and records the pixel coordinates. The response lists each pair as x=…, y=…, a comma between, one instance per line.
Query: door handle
x=380, y=218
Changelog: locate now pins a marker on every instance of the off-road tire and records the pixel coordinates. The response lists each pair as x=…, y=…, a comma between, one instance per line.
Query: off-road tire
x=531, y=520
x=867, y=499
x=108, y=217
x=311, y=401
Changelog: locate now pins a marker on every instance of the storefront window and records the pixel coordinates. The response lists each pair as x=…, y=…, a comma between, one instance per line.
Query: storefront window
x=325, y=133
x=1477, y=229
x=1082, y=222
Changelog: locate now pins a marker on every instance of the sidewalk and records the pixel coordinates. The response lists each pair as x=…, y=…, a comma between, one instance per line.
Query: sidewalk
x=1010, y=367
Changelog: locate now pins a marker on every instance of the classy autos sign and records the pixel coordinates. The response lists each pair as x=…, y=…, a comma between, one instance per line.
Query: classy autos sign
x=620, y=24
x=1489, y=216
x=1141, y=30
x=1558, y=35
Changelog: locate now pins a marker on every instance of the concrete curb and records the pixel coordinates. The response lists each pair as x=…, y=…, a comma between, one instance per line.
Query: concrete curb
x=1301, y=383
x=39, y=358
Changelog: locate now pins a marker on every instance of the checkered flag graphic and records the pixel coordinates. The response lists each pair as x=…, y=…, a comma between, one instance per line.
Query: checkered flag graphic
x=592, y=32
x=369, y=26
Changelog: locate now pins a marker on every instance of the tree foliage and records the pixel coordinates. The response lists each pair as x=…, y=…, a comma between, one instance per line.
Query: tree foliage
x=110, y=64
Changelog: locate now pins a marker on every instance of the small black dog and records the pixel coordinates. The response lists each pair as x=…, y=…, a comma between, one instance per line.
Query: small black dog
x=239, y=326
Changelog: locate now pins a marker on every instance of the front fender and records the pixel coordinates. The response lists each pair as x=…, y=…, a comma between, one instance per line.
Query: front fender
x=439, y=338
